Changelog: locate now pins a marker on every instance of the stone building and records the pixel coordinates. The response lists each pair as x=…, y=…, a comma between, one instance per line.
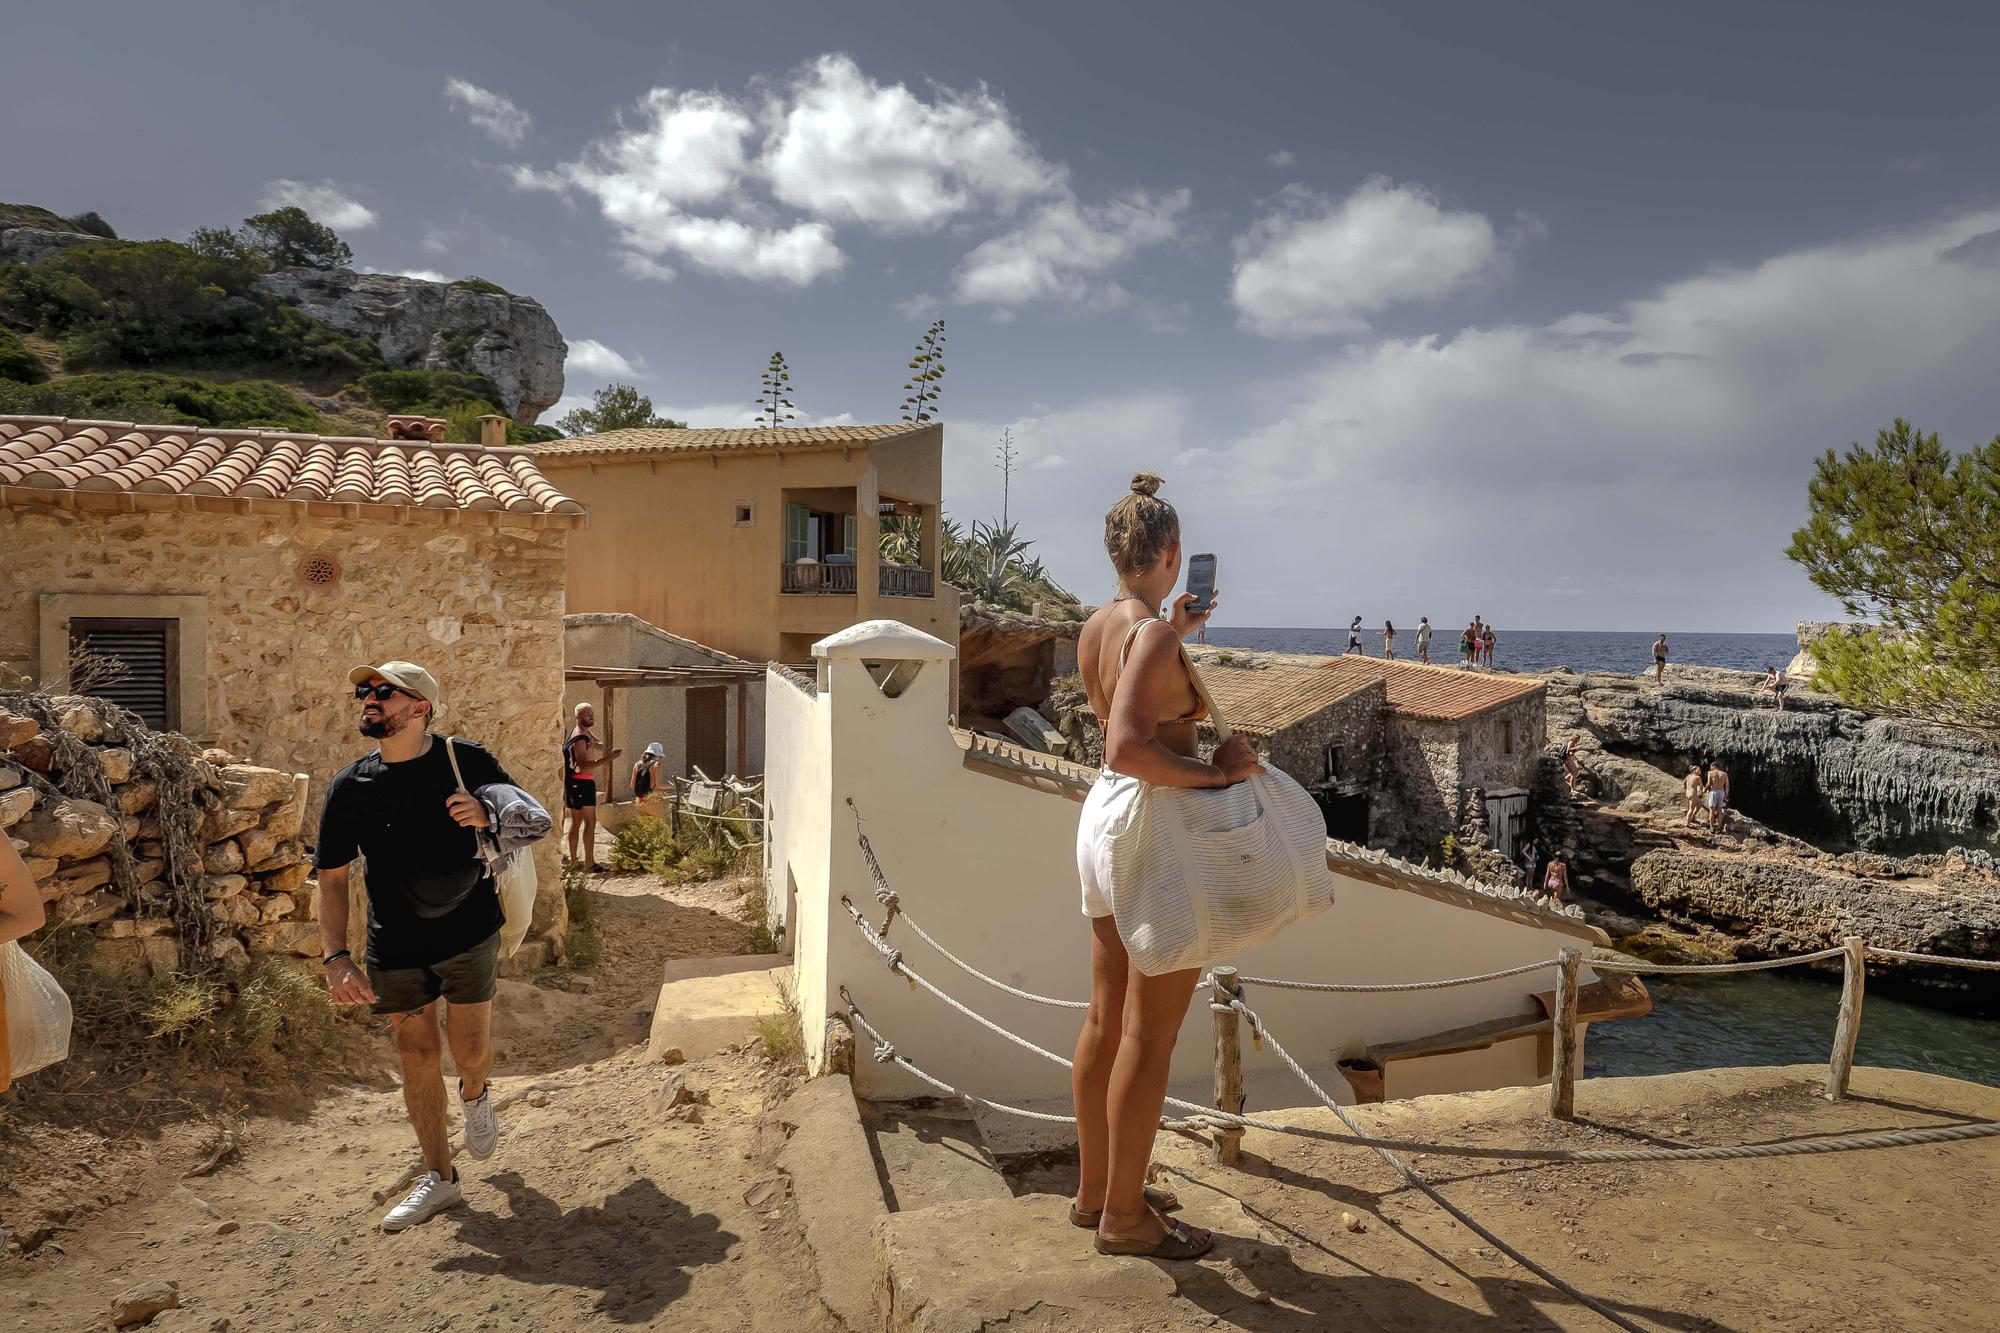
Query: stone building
x=756, y=542
x=704, y=707
x=238, y=574
x=1008, y=660
x=1324, y=729
x=1448, y=734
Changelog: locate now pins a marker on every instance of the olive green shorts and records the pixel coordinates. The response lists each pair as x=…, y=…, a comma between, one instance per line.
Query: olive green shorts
x=466, y=978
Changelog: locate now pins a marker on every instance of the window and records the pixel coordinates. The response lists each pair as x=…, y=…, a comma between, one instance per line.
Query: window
x=1332, y=773
x=147, y=651
x=746, y=513
x=850, y=536
x=1506, y=738
x=798, y=526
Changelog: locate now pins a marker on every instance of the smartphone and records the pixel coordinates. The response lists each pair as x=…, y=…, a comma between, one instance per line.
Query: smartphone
x=1201, y=581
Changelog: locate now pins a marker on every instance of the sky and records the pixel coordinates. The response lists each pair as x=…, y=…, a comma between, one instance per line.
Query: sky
x=1542, y=310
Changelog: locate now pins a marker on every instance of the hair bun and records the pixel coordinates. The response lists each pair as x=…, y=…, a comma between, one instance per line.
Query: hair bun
x=1145, y=483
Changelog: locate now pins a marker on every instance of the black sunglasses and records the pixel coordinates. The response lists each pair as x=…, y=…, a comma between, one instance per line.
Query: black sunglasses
x=382, y=693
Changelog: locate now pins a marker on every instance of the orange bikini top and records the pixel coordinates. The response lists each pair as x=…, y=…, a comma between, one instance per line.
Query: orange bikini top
x=1200, y=710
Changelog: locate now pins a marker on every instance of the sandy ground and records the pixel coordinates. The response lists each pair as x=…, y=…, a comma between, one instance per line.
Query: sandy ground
x=598, y=1209
x=1895, y=1239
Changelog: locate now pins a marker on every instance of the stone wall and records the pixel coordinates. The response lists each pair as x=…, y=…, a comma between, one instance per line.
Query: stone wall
x=266, y=654
x=1353, y=723
x=1498, y=748
x=253, y=868
x=1418, y=785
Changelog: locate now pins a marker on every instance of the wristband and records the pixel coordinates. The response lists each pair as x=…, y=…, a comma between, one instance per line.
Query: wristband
x=333, y=958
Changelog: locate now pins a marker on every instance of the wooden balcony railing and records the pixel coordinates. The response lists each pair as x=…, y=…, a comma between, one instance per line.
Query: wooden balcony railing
x=809, y=577
x=905, y=581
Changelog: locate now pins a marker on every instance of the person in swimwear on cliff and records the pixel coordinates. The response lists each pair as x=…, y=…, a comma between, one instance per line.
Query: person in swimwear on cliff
x=1718, y=799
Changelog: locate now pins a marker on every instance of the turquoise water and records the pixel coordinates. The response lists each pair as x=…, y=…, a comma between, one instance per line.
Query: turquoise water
x=1774, y=1018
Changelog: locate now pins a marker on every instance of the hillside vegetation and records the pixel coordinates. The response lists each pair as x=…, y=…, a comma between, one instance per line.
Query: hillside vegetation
x=172, y=333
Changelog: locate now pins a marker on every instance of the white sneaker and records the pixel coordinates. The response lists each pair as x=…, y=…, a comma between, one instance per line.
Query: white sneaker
x=482, y=1124
x=432, y=1195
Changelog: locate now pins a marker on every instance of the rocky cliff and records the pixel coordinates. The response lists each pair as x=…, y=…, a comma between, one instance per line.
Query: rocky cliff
x=1832, y=775
x=439, y=326
x=418, y=325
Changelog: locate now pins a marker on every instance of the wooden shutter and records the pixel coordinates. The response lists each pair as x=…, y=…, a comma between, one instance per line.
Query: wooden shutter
x=795, y=533
x=708, y=730
x=150, y=652
x=850, y=536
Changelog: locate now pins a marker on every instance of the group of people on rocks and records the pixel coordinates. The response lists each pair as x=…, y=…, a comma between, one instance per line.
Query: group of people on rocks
x=1553, y=887
x=1475, y=641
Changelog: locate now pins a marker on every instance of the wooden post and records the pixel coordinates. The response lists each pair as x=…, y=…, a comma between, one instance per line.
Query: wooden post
x=1228, y=1065
x=1562, y=1083
x=610, y=783
x=1848, y=1030
x=742, y=730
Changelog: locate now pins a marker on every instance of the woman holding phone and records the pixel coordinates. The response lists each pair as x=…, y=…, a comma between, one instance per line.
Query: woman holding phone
x=1130, y=660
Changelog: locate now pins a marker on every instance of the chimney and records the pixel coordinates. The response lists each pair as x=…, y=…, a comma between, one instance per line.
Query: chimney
x=493, y=430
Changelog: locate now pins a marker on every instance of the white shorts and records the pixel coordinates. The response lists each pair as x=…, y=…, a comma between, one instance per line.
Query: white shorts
x=1108, y=799
x=1716, y=800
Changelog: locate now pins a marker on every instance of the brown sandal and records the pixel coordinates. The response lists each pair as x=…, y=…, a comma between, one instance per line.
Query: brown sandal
x=1158, y=1197
x=1181, y=1242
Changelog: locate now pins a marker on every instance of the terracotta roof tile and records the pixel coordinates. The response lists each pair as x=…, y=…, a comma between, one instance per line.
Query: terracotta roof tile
x=58, y=454
x=643, y=442
x=1436, y=693
x=1263, y=701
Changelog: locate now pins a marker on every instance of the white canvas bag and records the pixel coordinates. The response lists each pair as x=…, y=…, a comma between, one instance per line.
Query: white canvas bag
x=38, y=1013
x=1201, y=874
x=513, y=879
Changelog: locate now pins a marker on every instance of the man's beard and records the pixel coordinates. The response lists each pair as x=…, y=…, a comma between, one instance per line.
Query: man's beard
x=381, y=728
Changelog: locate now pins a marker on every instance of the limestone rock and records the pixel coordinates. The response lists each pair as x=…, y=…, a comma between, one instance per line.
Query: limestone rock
x=15, y=804
x=37, y=752
x=140, y=1304
x=68, y=828
x=117, y=761
x=288, y=819
x=247, y=787
x=152, y=955
x=280, y=857
x=15, y=729
x=305, y=904
x=297, y=938
x=230, y=953
x=86, y=910
x=136, y=798
x=82, y=717
x=286, y=879
x=10, y=777
x=257, y=845
x=422, y=325
x=221, y=823
x=80, y=877
x=240, y=910
x=41, y=869
x=219, y=757
x=223, y=886
x=31, y=245
x=275, y=906
x=223, y=858
x=129, y=927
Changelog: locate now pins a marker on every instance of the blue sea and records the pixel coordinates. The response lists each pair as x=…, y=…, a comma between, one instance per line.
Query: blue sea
x=1534, y=649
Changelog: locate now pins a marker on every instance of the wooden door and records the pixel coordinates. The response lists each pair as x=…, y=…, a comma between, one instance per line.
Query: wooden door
x=708, y=730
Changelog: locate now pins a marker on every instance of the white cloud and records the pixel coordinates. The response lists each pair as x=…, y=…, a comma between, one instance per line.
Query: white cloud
x=850, y=149
x=1315, y=266
x=1057, y=253
x=1281, y=159
x=490, y=111
x=587, y=356
x=326, y=202
x=683, y=151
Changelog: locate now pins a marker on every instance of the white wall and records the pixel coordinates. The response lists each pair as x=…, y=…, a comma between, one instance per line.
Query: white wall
x=987, y=865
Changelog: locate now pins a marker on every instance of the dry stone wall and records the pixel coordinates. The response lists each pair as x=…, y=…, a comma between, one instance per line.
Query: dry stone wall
x=248, y=860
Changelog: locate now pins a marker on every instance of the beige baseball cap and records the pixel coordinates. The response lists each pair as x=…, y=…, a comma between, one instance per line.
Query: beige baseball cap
x=404, y=675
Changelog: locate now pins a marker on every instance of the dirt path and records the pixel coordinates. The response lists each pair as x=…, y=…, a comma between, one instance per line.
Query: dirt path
x=599, y=1208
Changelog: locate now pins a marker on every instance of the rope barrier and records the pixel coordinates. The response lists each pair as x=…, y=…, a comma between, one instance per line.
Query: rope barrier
x=1906, y=957
x=1353, y=988
x=1685, y=969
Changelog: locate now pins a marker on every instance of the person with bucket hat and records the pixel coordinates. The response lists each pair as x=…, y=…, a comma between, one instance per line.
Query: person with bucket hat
x=649, y=774
x=434, y=916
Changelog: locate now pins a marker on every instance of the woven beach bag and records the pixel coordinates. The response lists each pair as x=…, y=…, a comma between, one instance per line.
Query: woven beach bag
x=1201, y=874
x=37, y=1014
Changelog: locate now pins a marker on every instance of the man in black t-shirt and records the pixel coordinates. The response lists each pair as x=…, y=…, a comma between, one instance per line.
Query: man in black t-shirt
x=433, y=915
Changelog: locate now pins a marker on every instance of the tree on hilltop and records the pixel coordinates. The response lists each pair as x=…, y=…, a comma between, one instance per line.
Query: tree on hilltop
x=613, y=407
x=286, y=237
x=1908, y=534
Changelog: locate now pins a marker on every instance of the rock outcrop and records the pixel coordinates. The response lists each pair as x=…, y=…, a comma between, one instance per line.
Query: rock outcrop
x=423, y=325
x=29, y=245
x=1820, y=771
x=1947, y=905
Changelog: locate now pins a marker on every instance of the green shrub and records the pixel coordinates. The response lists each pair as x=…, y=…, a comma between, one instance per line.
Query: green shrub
x=163, y=400
x=433, y=391
x=117, y=303
x=17, y=362
x=478, y=284
x=583, y=946
x=645, y=844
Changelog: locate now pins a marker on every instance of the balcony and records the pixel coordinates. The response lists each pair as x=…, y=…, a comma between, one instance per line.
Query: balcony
x=905, y=581
x=812, y=577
